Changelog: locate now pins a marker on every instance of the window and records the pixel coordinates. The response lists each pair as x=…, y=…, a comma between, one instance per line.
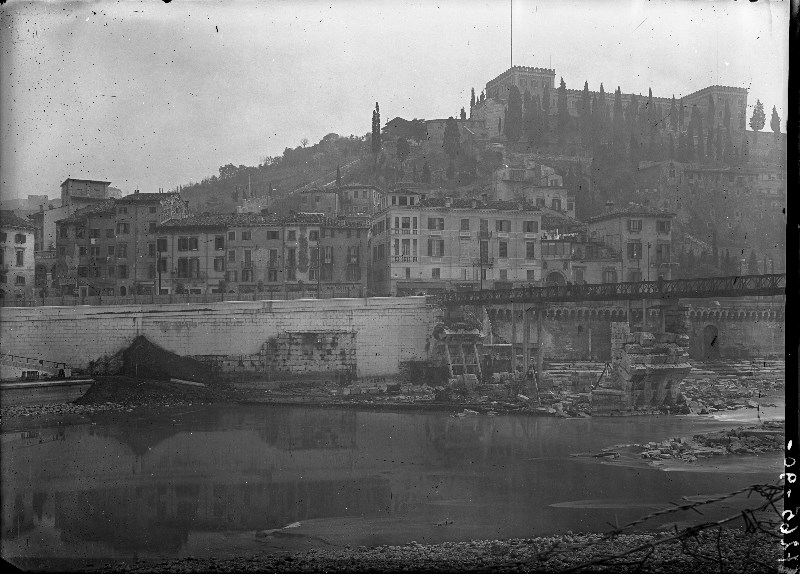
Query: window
x=219, y=264
x=151, y=271
x=80, y=233
x=504, y=275
x=122, y=210
x=247, y=275
x=530, y=275
x=122, y=228
x=183, y=244
x=539, y=202
x=634, y=225
x=273, y=257
x=408, y=272
x=82, y=251
x=122, y=250
x=435, y=247
x=503, y=225
x=503, y=249
x=436, y=273
x=353, y=273
x=231, y=236
x=94, y=251
x=161, y=244
x=94, y=234
x=152, y=209
x=111, y=251
x=436, y=223
x=352, y=255
x=635, y=250
x=232, y=276
x=151, y=227
x=109, y=234
x=291, y=274
x=272, y=234
x=326, y=273
x=465, y=225
x=610, y=276
x=122, y=271
x=556, y=204
x=313, y=236
x=21, y=279
x=246, y=236
x=20, y=258
x=3, y=237
x=272, y=275
x=232, y=256
x=162, y=266
x=111, y=270
x=313, y=274
x=194, y=244
x=663, y=226
x=291, y=235
x=663, y=253
x=531, y=227
x=327, y=254
x=579, y=276
x=290, y=257
x=530, y=250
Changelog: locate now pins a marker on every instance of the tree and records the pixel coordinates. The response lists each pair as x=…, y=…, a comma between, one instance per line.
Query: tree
x=376, y=131
x=710, y=143
x=531, y=121
x=563, y=114
x=700, y=139
x=403, y=151
x=758, y=119
x=681, y=114
x=726, y=116
x=414, y=176
x=585, y=112
x=618, y=131
x=752, y=263
x=690, y=156
x=452, y=138
x=514, y=115
x=595, y=122
x=304, y=142
x=471, y=100
x=682, y=153
x=463, y=113
x=426, y=173
x=634, y=152
x=338, y=176
x=775, y=123
x=651, y=111
x=673, y=115
x=671, y=147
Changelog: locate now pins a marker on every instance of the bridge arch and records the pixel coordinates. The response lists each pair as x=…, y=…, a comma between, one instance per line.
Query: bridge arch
x=555, y=278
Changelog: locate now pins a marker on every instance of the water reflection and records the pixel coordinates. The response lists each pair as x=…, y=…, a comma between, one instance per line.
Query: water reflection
x=124, y=488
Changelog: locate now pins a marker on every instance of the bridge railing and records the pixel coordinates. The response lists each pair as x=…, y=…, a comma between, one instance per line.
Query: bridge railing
x=734, y=286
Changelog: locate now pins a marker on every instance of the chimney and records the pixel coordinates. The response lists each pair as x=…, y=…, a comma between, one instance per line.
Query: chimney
x=485, y=196
x=609, y=205
x=474, y=204
x=135, y=191
x=448, y=201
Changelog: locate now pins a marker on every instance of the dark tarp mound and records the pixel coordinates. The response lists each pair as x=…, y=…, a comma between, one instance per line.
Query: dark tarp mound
x=145, y=360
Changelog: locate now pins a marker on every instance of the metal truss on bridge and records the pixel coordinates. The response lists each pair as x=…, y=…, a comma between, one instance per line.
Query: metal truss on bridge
x=706, y=287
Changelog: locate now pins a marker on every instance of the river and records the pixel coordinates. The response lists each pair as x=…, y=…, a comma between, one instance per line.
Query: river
x=203, y=481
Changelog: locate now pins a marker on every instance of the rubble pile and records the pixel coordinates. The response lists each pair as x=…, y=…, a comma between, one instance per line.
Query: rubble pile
x=767, y=437
x=732, y=385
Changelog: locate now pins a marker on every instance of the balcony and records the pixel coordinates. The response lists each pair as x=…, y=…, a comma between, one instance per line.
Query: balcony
x=403, y=231
x=404, y=258
x=465, y=234
x=247, y=265
x=483, y=262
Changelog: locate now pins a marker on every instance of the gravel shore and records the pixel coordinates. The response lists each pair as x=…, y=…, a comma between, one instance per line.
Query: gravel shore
x=734, y=551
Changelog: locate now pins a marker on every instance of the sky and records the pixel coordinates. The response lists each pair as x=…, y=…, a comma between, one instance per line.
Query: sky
x=149, y=95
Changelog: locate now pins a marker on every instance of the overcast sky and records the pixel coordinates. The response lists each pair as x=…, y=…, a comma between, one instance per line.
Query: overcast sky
x=149, y=95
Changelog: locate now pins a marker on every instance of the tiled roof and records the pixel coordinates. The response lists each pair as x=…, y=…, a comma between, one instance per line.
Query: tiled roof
x=145, y=197
x=106, y=207
x=633, y=210
x=555, y=220
x=466, y=203
x=10, y=219
x=226, y=220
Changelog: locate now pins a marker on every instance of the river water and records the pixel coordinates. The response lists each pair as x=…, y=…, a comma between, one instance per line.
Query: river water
x=203, y=481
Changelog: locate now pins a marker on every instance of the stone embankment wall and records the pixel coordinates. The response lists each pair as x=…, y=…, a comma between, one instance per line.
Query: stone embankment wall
x=573, y=333
x=372, y=337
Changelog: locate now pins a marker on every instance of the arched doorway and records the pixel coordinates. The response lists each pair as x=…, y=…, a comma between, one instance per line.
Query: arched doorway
x=123, y=291
x=710, y=343
x=555, y=278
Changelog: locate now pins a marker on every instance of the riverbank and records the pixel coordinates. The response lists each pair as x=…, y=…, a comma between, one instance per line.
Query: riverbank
x=732, y=551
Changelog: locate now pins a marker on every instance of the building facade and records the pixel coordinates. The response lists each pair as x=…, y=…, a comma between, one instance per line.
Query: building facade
x=642, y=238
x=423, y=244
x=296, y=256
x=16, y=257
x=72, y=188
x=355, y=202
x=110, y=248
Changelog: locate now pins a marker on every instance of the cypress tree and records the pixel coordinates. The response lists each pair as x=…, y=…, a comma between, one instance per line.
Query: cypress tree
x=618, y=132
x=426, y=172
x=514, y=115
x=710, y=144
x=690, y=156
x=471, y=100
x=682, y=153
x=563, y=113
x=681, y=115
x=673, y=115
x=775, y=123
x=376, y=131
x=671, y=147
x=531, y=121
x=585, y=113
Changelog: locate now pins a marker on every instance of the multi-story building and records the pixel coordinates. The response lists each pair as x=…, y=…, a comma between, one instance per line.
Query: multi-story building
x=16, y=257
x=72, y=188
x=300, y=255
x=421, y=244
x=537, y=184
x=356, y=202
x=642, y=238
x=110, y=248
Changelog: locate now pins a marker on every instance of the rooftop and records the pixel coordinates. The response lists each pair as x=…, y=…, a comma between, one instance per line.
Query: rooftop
x=467, y=203
x=10, y=219
x=144, y=197
x=86, y=180
x=632, y=210
x=105, y=207
x=226, y=220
